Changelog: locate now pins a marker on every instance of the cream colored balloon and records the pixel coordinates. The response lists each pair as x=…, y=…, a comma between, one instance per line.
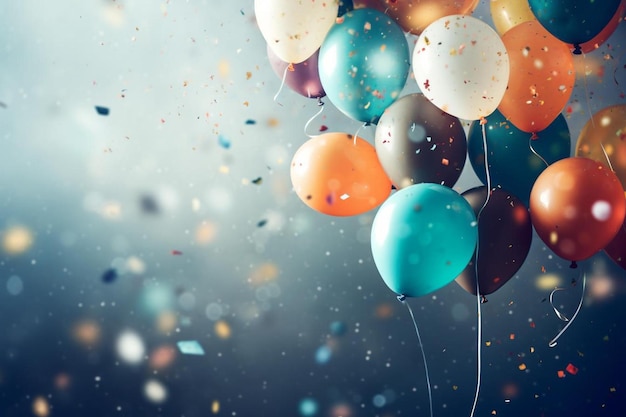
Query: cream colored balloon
x=509, y=13
x=295, y=29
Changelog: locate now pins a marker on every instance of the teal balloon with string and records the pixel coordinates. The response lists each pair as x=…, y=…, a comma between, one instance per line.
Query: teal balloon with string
x=515, y=159
x=364, y=63
x=422, y=237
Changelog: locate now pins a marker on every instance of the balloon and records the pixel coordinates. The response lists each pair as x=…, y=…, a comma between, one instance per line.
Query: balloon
x=344, y=7
x=504, y=237
x=422, y=238
x=461, y=65
x=370, y=4
x=512, y=163
x=416, y=142
x=542, y=77
x=606, y=33
x=295, y=29
x=606, y=128
x=616, y=248
x=414, y=15
x=364, y=64
x=577, y=206
x=574, y=21
x=337, y=175
x=303, y=78
x=509, y=13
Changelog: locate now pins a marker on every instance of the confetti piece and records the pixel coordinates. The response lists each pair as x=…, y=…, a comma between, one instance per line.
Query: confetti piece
x=215, y=407
x=223, y=141
x=323, y=128
x=560, y=374
x=250, y=122
x=102, y=111
x=488, y=343
x=522, y=367
x=261, y=223
x=512, y=336
x=190, y=347
x=257, y=181
x=109, y=276
x=222, y=329
x=571, y=369
x=176, y=252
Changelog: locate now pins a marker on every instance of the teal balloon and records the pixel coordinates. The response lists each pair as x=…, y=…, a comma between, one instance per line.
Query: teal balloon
x=574, y=21
x=512, y=163
x=423, y=236
x=364, y=63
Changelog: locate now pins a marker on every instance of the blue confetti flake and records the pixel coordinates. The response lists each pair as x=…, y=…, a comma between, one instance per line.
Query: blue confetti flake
x=223, y=141
x=190, y=347
x=102, y=111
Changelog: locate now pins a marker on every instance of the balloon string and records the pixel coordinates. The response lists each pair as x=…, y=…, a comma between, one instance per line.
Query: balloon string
x=479, y=298
x=358, y=130
x=562, y=317
x=320, y=103
x=402, y=299
x=282, y=84
x=606, y=156
x=530, y=145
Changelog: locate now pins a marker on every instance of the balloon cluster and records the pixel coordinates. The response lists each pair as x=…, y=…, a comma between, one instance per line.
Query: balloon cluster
x=520, y=75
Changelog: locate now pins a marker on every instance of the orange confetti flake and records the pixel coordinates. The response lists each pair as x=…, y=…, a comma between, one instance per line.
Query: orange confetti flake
x=248, y=75
x=522, y=367
x=445, y=162
x=512, y=336
x=383, y=47
x=560, y=374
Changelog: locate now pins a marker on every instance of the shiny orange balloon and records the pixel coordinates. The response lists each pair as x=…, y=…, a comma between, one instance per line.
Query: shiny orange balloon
x=414, y=15
x=577, y=206
x=509, y=13
x=541, y=80
x=337, y=175
x=606, y=33
x=606, y=128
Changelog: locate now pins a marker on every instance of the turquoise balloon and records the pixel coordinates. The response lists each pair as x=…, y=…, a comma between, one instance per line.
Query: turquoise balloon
x=423, y=236
x=364, y=63
x=513, y=165
x=574, y=21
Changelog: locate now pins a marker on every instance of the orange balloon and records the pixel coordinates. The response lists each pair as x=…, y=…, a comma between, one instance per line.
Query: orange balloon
x=509, y=13
x=414, y=15
x=606, y=33
x=577, y=206
x=606, y=128
x=541, y=79
x=337, y=175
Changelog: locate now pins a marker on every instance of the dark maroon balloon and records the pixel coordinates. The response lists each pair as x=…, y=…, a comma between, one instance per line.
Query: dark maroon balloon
x=504, y=238
x=304, y=79
x=616, y=249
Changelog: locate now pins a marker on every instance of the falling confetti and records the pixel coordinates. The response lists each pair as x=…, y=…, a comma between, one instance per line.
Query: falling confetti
x=190, y=347
x=102, y=111
x=223, y=141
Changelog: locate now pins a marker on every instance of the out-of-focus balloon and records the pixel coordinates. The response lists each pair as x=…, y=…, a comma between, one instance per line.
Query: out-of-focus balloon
x=574, y=21
x=542, y=77
x=369, y=4
x=303, y=78
x=504, y=238
x=364, y=63
x=417, y=142
x=422, y=238
x=509, y=13
x=415, y=15
x=295, y=29
x=336, y=175
x=606, y=33
x=606, y=128
x=461, y=65
x=512, y=163
x=577, y=206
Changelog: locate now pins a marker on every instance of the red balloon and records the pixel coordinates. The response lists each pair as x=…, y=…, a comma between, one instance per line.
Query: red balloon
x=577, y=206
x=504, y=237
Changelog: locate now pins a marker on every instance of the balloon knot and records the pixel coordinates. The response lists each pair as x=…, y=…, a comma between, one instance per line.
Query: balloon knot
x=577, y=50
x=320, y=102
x=483, y=121
x=573, y=265
x=534, y=136
x=401, y=297
x=483, y=299
x=290, y=67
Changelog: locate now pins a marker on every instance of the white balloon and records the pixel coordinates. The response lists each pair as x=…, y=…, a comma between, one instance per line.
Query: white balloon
x=461, y=66
x=295, y=29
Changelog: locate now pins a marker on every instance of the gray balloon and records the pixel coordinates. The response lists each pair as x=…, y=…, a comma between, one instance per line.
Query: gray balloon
x=417, y=142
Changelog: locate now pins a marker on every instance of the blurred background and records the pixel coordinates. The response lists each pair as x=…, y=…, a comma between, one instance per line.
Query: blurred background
x=155, y=260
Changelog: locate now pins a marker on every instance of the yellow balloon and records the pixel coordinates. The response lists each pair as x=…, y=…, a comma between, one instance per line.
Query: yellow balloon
x=509, y=13
x=607, y=128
